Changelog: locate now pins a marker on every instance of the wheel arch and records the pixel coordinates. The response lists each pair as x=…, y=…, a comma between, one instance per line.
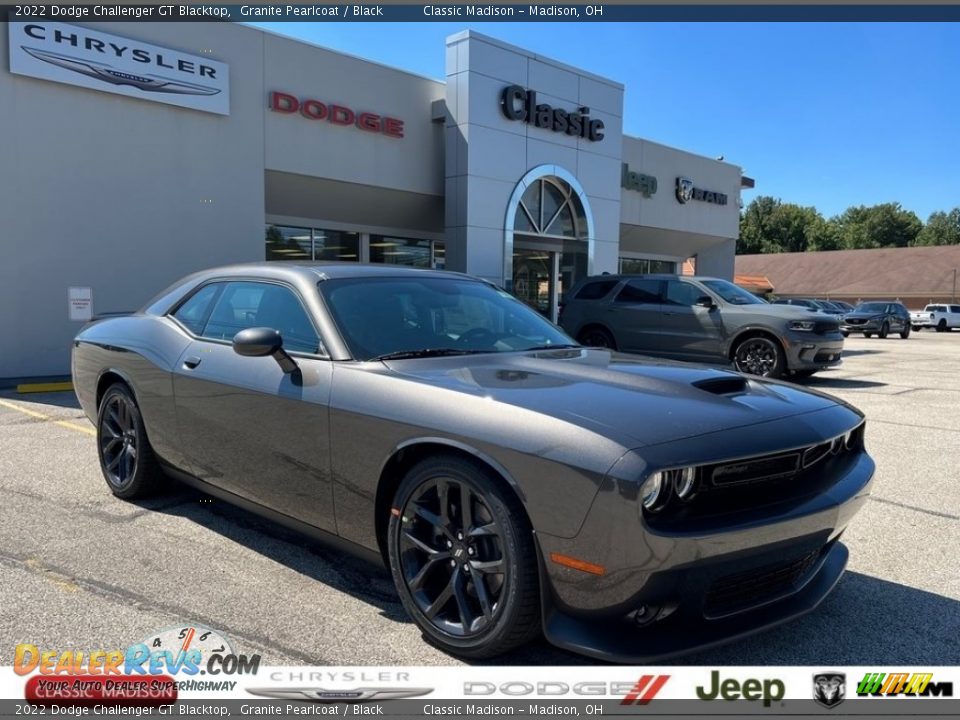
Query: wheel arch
x=410, y=452
x=110, y=377
x=749, y=332
x=595, y=324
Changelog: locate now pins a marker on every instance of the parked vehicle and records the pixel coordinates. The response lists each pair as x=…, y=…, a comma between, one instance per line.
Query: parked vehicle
x=701, y=319
x=822, y=305
x=511, y=480
x=877, y=318
x=834, y=308
x=940, y=317
x=845, y=306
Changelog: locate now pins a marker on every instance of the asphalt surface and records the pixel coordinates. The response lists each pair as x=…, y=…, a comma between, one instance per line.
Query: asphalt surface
x=80, y=569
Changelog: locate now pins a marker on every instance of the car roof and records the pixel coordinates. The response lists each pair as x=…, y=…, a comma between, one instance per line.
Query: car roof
x=654, y=276
x=280, y=269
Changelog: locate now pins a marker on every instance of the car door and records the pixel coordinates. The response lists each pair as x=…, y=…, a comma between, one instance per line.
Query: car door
x=953, y=316
x=689, y=331
x=245, y=425
x=633, y=315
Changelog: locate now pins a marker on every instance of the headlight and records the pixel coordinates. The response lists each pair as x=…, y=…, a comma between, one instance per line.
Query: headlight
x=802, y=325
x=683, y=482
x=653, y=490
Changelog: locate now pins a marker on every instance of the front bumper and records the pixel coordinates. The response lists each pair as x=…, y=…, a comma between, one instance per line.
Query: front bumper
x=871, y=326
x=807, y=351
x=694, y=569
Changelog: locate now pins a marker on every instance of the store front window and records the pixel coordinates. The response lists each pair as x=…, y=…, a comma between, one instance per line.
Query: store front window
x=297, y=243
x=644, y=266
x=550, y=240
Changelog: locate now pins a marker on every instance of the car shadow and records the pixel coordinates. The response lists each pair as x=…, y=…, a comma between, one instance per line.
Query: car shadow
x=65, y=399
x=865, y=621
x=828, y=383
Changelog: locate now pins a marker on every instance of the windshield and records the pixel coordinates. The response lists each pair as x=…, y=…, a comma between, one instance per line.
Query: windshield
x=387, y=316
x=732, y=293
x=872, y=307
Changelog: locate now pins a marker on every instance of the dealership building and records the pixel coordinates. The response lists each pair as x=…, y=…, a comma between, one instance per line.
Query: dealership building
x=137, y=153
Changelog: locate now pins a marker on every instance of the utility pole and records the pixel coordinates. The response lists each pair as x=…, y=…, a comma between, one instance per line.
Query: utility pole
x=954, y=285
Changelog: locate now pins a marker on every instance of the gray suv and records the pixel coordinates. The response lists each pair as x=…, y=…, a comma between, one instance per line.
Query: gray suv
x=701, y=319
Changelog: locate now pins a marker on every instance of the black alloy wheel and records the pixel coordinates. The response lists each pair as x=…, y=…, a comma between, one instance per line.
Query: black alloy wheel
x=463, y=559
x=126, y=458
x=761, y=356
x=884, y=331
x=597, y=337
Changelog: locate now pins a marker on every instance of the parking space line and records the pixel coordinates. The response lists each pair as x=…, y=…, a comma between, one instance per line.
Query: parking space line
x=46, y=418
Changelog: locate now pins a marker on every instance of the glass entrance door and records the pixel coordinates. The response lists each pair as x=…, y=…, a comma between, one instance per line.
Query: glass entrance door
x=535, y=279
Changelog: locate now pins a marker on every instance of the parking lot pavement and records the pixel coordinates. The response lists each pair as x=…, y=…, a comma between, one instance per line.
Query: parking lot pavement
x=81, y=569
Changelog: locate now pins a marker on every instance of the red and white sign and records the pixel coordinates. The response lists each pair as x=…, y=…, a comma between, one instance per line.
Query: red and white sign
x=335, y=114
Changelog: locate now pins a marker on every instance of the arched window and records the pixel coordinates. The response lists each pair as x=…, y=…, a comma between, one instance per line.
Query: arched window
x=549, y=207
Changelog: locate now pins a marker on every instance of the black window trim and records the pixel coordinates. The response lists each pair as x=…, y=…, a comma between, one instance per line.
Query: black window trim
x=322, y=354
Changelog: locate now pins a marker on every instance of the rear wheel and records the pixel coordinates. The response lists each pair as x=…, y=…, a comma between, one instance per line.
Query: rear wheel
x=884, y=331
x=597, y=337
x=126, y=459
x=462, y=557
x=760, y=355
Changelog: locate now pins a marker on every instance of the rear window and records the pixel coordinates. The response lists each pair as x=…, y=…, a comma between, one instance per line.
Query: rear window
x=640, y=291
x=596, y=290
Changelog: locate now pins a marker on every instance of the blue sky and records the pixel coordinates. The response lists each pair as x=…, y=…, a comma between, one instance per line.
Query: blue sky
x=829, y=115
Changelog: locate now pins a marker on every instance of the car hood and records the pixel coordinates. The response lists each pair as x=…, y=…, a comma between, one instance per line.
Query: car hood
x=862, y=315
x=787, y=312
x=633, y=401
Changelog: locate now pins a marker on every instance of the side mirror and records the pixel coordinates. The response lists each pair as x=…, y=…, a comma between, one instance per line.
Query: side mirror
x=263, y=341
x=704, y=301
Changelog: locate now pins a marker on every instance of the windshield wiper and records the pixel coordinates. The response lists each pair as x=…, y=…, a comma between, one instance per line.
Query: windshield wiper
x=551, y=347
x=427, y=352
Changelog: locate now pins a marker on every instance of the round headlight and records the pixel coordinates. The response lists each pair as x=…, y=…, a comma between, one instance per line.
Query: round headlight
x=652, y=490
x=684, y=481
x=848, y=440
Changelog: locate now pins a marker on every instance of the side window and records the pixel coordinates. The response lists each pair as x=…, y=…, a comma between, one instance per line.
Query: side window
x=244, y=305
x=596, y=290
x=193, y=313
x=640, y=291
x=955, y=308
x=682, y=293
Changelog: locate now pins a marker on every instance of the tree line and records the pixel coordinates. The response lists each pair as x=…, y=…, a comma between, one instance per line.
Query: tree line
x=768, y=225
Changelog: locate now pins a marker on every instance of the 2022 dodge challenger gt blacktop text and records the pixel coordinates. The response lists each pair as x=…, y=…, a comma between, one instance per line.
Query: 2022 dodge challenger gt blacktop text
x=512, y=481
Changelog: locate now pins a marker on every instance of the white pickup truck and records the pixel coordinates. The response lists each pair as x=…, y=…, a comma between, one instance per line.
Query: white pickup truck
x=938, y=317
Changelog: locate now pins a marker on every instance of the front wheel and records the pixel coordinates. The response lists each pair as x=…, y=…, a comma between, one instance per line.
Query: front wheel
x=760, y=355
x=463, y=560
x=942, y=325
x=845, y=333
x=884, y=331
x=126, y=458
x=597, y=337
x=868, y=335
x=905, y=333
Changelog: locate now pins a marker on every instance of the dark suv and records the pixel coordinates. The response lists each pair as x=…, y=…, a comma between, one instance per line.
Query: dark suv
x=701, y=319
x=880, y=318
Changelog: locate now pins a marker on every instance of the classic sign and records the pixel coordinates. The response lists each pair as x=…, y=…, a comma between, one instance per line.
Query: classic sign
x=518, y=103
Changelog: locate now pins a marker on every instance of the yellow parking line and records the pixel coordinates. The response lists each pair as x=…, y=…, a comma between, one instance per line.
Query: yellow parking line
x=44, y=387
x=46, y=418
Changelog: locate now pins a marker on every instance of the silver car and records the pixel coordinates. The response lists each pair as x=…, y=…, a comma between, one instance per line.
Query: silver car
x=701, y=319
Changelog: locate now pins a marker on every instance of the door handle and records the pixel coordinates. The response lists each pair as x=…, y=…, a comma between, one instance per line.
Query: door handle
x=191, y=362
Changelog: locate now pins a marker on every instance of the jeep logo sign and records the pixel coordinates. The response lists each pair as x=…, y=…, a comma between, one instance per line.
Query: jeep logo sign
x=768, y=691
x=646, y=185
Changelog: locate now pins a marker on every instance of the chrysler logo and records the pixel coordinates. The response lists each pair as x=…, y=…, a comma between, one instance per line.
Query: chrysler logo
x=353, y=695
x=108, y=74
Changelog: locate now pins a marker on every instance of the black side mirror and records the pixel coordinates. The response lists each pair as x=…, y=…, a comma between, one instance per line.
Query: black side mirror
x=704, y=301
x=263, y=341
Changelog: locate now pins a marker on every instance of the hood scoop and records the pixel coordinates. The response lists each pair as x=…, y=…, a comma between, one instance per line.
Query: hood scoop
x=727, y=385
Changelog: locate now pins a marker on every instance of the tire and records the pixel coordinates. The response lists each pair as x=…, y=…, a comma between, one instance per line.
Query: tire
x=868, y=335
x=915, y=328
x=942, y=325
x=905, y=333
x=427, y=535
x=760, y=355
x=597, y=337
x=127, y=460
x=845, y=333
x=884, y=331
x=803, y=374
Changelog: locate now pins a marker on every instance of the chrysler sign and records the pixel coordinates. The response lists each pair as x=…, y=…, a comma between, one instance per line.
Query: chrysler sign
x=109, y=63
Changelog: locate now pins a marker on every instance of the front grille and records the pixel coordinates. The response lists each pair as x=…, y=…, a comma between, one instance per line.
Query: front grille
x=742, y=591
x=757, y=470
x=855, y=321
x=823, y=327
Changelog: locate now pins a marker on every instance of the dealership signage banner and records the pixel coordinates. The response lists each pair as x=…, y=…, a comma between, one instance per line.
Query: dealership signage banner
x=100, y=61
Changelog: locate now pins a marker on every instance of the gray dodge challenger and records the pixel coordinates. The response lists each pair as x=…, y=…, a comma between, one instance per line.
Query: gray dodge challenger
x=513, y=482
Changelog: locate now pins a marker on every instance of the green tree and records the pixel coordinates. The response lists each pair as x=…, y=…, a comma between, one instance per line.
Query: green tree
x=769, y=225
x=884, y=225
x=941, y=229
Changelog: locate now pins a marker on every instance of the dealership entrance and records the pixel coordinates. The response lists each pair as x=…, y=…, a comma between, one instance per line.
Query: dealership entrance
x=550, y=240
